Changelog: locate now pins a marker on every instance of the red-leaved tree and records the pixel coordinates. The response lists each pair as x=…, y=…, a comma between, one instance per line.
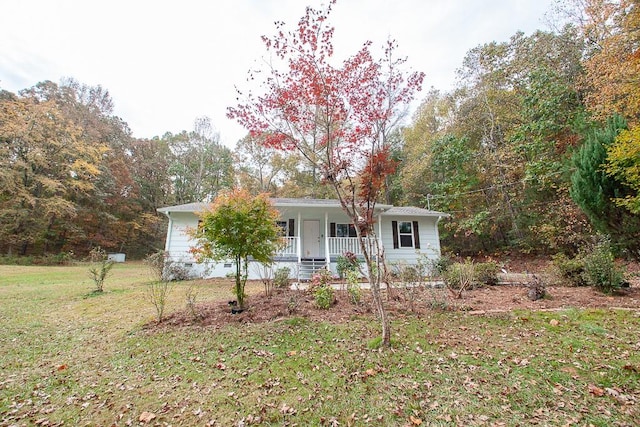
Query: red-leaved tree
x=338, y=117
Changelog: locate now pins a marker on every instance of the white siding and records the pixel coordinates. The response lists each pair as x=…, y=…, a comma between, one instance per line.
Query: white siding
x=429, y=239
x=179, y=242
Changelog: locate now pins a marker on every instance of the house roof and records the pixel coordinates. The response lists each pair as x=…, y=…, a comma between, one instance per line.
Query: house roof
x=333, y=203
x=188, y=207
x=320, y=203
x=412, y=211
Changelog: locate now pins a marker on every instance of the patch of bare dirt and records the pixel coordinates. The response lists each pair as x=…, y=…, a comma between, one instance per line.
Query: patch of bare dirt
x=514, y=297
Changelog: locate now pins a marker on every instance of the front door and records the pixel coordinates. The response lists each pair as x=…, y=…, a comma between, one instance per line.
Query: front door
x=311, y=239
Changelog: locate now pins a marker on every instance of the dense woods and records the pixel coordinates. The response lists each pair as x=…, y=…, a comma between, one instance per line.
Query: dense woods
x=535, y=150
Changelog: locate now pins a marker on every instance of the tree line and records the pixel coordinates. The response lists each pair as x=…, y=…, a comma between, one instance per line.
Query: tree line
x=73, y=177
x=535, y=150
x=538, y=147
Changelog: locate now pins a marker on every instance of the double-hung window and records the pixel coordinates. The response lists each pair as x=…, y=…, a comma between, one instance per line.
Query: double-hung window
x=405, y=234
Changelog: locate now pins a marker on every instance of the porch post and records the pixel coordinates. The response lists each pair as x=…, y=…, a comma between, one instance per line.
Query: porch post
x=379, y=236
x=327, y=254
x=299, y=245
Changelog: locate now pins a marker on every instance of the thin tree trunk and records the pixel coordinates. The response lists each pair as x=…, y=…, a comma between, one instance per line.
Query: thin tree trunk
x=374, y=280
x=382, y=313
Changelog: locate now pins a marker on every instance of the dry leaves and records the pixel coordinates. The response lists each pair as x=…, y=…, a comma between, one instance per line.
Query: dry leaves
x=146, y=417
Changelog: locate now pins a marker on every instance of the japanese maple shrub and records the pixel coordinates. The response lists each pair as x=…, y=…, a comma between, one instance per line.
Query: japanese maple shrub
x=238, y=226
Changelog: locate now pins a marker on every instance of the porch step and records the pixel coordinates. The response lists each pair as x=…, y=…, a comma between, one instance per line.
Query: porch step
x=308, y=267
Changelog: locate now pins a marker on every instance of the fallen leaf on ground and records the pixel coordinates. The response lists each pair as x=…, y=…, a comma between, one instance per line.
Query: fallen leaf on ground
x=595, y=390
x=415, y=421
x=146, y=417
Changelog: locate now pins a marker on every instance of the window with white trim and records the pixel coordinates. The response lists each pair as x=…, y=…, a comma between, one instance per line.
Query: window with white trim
x=405, y=234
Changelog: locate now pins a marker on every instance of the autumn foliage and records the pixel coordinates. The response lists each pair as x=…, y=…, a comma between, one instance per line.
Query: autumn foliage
x=238, y=226
x=339, y=116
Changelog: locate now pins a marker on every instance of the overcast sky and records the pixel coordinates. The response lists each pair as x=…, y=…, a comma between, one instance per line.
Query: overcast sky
x=167, y=62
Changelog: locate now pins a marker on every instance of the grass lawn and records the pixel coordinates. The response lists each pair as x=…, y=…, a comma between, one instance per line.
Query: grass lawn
x=69, y=356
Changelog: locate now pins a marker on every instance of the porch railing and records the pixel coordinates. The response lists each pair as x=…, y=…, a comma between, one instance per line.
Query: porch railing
x=337, y=246
x=290, y=247
x=340, y=245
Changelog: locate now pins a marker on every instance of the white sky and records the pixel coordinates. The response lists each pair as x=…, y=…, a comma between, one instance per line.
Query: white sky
x=167, y=62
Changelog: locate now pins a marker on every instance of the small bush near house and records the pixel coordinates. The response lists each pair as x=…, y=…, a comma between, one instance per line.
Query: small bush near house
x=459, y=277
x=101, y=265
x=345, y=263
x=281, y=277
x=323, y=293
x=265, y=271
x=409, y=274
x=476, y=274
x=175, y=270
x=600, y=270
x=353, y=287
x=324, y=296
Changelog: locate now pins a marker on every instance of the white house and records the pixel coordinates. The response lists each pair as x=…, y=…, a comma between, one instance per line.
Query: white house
x=317, y=232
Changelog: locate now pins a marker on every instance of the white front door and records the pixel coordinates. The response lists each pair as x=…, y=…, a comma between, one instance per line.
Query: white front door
x=311, y=239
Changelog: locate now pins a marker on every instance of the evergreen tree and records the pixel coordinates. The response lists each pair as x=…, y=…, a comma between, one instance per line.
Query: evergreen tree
x=595, y=191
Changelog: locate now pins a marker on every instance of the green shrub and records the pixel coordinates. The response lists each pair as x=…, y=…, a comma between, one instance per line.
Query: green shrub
x=62, y=258
x=600, y=270
x=470, y=274
x=353, y=287
x=345, y=263
x=281, y=277
x=17, y=260
x=322, y=290
x=460, y=274
x=486, y=273
x=568, y=270
x=324, y=296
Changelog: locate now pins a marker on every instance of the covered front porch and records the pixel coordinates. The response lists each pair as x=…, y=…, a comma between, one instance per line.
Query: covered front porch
x=315, y=236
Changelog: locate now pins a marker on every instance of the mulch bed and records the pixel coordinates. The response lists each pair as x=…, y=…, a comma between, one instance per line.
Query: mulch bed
x=285, y=304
